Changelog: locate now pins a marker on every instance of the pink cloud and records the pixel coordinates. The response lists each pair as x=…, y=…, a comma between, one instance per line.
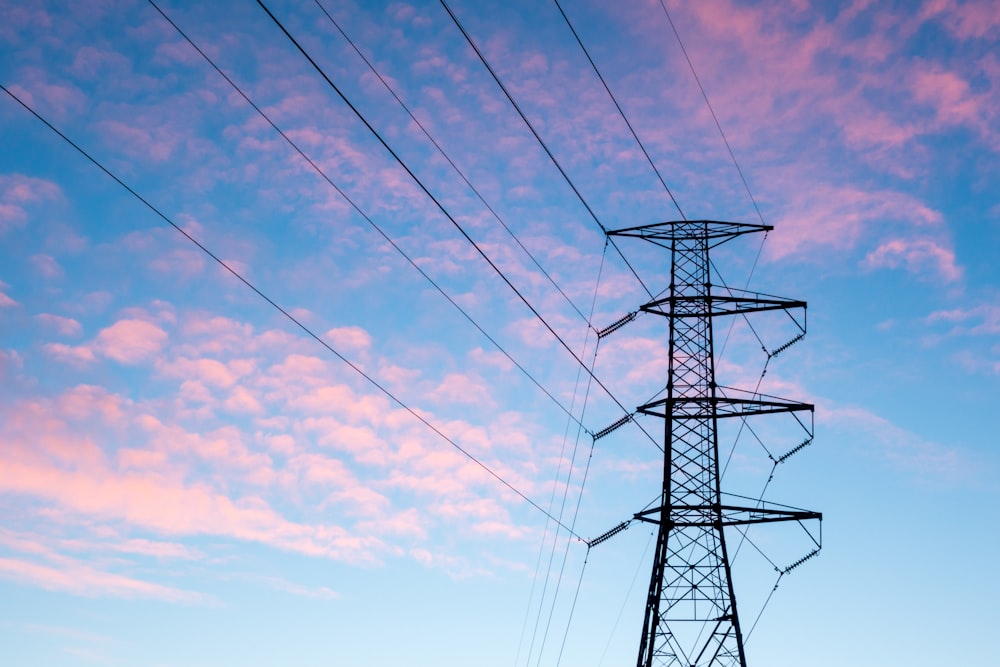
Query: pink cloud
x=283, y=444
x=206, y=371
x=349, y=339
x=242, y=400
x=299, y=368
x=84, y=401
x=47, y=266
x=838, y=217
x=130, y=341
x=60, y=100
x=492, y=359
x=75, y=577
x=9, y=360
x=180, y=262
x=65, y=326
x=966, y=20
x=152, y=503
x=920, y=256
x=462, y=388
x=139, y=141
x=18, y=192
x=75, y=355
x=977, y=321
x=320, y=593
x=91, y=62
x=177, y=51
x=212, y=335
x=953, y=101
x=89, y=304
x=342, y=400
x=361, y=442
x=138, y=459
x=899, y=447
x=165, y=550
x=226, y=447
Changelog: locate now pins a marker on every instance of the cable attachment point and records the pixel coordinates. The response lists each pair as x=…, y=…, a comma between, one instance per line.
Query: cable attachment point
x=786, y=455
x=787, y=345
x=611, y=533
x=607, y=331
x=614, y=427
x=794, y=565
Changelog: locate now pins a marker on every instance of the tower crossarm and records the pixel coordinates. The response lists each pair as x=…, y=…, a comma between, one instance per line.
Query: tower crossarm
x=719, y=407
x=689, y=516
x=664, y=233
x=719, y=304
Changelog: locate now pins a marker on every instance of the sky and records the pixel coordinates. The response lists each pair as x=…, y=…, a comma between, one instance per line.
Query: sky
x=356, y=460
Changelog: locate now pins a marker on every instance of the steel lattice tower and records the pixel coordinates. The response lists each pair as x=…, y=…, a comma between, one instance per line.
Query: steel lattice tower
x=691, y=617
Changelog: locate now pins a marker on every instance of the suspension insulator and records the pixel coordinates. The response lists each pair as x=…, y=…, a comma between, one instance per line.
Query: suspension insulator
x=794, y=565
x=608, y=330
x=781, y=348
x=614, y=427
x=608, y=535
x=786, y=455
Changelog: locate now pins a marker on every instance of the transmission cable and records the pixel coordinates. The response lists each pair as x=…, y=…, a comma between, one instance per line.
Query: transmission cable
x=309, y=332
x=628, y=595
x=451, y=162
x=621, y=112
x=565, y=556
x=364, y=215
x=572, y=609
x=565, y=495
x=440, y=206
x=711, y=110
x=541, y=141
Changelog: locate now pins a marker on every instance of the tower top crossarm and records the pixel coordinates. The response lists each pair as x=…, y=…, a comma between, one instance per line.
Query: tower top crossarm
x=662, y=233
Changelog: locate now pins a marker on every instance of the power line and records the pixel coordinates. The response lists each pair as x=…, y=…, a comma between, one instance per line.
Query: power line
x=364, y=215
x=541, y=141
x=450, y=161
x=620, y=110
x=357, y=369
x=441, y=207
x=712, y=111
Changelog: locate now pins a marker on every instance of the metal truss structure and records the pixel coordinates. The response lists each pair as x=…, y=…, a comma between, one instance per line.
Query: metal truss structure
x=691, y=617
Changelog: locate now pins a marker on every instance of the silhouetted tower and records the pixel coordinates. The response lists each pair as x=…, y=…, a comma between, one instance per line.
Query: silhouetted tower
x=691, y=617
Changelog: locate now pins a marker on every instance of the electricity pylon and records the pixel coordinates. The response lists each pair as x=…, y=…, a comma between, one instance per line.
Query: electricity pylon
x=691, y=617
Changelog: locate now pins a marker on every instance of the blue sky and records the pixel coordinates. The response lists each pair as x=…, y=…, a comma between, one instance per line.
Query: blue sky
x=190, y=479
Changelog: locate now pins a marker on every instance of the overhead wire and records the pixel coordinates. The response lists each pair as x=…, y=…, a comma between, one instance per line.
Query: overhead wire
x=649, y=158
x=566, y=487
x=572, y=608
x=297, y=322
x=711, y=110
x=621, y=112
x=357, y=208
x=541, y=142
x=492, y=211
x=591, y=377
x=416, y=179
x=744, y=423
x=565, y=556
x=450, y=161
x=628, y=595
